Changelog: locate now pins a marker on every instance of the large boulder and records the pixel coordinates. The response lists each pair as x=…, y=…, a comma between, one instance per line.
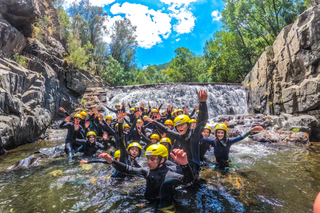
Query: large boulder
x=286, y=77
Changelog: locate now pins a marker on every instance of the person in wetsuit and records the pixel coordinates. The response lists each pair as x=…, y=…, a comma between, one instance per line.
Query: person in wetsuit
x=222, y=144
x=75, y=131
x=186, y=138
x=90, y=146
x=160, y=179
x=204, y=147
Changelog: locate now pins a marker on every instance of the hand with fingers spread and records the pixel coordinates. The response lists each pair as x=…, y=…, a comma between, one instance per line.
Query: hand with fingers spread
x=163, y=135
x=202, y=96
x=158, y=117
x=87, y=124
x=179, y=156
x=62, y=110
x=106, y=156
x=68, y=119
x=186, y=110
x=195, y=107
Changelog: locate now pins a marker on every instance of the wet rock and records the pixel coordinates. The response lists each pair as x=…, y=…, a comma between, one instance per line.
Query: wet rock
x=272, y=136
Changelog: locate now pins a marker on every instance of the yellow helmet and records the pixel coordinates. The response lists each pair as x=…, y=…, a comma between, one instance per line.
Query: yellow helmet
x=126, y=126
x=193, y=120
x=221, y=127
x=132, y=109
x=108, y=117
x=181, y=119
x=145, y=109
x=145, y=116
x=116, y=125
x=139, y=121
x=83, y=113
x=136, y=107
x=134, y=144
x=154, y=110
x=172, y=113
x=157, y=149
x=91, y=133
x=165, y=140
x=179, y=110
x=168, y=122
x=197, y=111
x=117, y=154
x=117, y=105
x=77, y=116
x=155, y=136
x=163, y=111
x=207, y=127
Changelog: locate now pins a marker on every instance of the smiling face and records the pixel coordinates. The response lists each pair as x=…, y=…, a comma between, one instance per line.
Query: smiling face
x=169, y=126
x=220, y=134
x=193, y=125
x=205, y=133
x=182, y=128
x=134, y=151
x=109, y=122
x=91, y=139
x=117, y=107
x=154, y=140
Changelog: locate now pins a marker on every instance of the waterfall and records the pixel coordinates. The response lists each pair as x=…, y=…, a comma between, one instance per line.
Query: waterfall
x=222, y=99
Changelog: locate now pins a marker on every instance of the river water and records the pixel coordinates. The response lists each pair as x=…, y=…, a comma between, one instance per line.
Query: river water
x=267, y=178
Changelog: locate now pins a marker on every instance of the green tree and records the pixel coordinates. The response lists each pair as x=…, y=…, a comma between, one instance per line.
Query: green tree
x=141, y=78
x=114, y=73
x=123, y=43
x=150, y=71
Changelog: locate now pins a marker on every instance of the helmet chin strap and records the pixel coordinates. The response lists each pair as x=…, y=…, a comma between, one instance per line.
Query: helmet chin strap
x=159, y=164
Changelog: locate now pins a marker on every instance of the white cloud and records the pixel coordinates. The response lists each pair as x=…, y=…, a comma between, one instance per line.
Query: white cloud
x=152, y=25
x=216, y=15
x=181, y=12
x=178, y=2
x=186, y=20
x=178, y=39
x=145, y=67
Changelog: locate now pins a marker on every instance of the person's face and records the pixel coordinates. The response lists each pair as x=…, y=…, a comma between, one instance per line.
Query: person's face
x=154, y=114
x=145, y=110
x=83, y=117
x=182, y=128
x=132, y=112
x=153, y=161
x=167, y=145
x=137, y=109
x=139, y=124
x=154, y=140
x=169, y=126
x=205, y=133
x=193, y=125
x=220, y=134
x=117, y=159
x=77, y=120
x=134, y=151
x=117, y=107
x=91, y=139
x=109, y=122
x=180, y=113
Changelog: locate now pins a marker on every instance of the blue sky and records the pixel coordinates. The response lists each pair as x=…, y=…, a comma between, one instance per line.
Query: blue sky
x=164, y=25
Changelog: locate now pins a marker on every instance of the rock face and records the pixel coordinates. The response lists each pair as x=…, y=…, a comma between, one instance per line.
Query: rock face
x=30, y=95
x=286, y=78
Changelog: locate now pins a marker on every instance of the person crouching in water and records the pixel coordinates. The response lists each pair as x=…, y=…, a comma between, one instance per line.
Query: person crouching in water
x=89, y=147
x=222, y=144
x=161, y=180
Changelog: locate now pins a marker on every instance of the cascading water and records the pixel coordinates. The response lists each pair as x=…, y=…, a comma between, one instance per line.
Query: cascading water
x=222, y=99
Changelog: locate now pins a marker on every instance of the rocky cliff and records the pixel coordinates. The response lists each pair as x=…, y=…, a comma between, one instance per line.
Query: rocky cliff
x=30, y=95
x=286, y=78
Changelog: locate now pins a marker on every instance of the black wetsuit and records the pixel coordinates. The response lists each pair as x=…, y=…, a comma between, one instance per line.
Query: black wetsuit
x=189, y=142
x=222, y=149
x=89, y=149
x=161, y=182
x=72, y=135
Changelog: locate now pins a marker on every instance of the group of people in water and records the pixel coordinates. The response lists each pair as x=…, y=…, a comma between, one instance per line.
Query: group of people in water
x=173, y=141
